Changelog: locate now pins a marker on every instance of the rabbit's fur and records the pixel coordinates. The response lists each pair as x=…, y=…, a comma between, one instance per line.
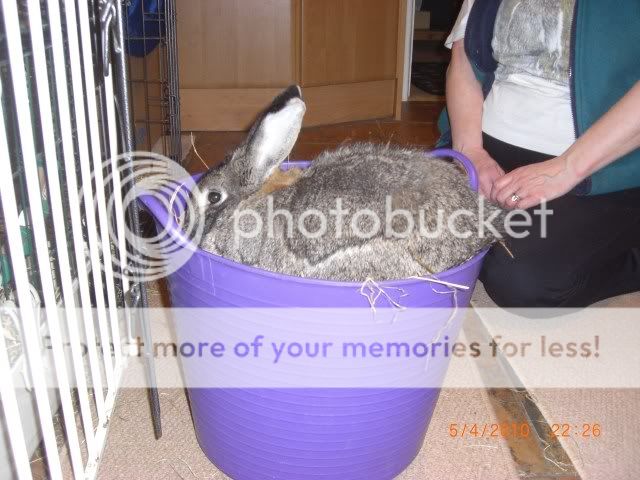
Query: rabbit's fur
x=362, y=175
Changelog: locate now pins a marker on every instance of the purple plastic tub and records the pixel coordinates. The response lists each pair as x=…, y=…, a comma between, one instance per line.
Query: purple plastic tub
x=315, y=433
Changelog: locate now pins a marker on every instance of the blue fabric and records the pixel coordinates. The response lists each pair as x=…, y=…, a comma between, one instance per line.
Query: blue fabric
x=145, y=23
x=605, y=65
x=479, y=34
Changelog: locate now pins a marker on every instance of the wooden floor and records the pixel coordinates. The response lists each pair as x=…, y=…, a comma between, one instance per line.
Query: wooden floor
x=417, y=128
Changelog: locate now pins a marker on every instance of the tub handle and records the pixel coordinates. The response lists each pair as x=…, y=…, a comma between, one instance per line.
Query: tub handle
x=466, y=163
x=161, y=213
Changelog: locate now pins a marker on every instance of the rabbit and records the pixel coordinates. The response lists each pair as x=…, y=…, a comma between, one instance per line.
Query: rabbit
x=366, y=179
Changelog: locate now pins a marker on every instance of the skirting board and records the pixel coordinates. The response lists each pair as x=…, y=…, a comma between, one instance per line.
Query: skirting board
x=236, y=109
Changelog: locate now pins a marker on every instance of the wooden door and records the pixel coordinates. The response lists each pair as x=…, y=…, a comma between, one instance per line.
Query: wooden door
x=348, y=41
x=235, y=55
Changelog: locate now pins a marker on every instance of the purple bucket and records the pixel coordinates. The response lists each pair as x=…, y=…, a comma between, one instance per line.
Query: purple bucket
x=307, y=433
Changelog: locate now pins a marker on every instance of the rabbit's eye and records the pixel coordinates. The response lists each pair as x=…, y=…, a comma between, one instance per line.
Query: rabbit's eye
x=214, y=197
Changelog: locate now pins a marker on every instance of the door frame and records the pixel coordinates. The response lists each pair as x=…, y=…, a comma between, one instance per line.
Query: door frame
x=409, y=22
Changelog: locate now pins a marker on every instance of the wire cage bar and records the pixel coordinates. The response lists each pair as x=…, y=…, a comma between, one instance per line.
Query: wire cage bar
x=151, y=43
x=61, y=118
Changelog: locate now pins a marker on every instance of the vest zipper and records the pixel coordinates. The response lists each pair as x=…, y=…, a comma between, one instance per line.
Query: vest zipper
x=572, y=65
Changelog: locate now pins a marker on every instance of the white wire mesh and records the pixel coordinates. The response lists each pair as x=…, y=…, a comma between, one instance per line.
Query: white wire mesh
x=55, y=247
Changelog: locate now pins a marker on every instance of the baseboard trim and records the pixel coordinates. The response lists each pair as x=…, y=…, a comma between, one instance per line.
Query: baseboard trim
x=236, y=109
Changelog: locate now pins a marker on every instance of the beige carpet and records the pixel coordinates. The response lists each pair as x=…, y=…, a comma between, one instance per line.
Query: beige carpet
x=614, y=453
x=133, y=453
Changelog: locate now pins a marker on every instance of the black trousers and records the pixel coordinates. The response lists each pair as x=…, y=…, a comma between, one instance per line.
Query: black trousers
x=591, y=251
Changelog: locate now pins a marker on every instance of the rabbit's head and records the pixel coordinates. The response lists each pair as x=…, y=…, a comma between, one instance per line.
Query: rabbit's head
x=266, y=146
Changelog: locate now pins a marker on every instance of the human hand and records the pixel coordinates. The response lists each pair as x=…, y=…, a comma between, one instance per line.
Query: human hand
x=527, y=186
x=488, y=169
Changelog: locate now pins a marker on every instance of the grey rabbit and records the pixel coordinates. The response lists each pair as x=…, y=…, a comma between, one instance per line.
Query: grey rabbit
x=365, y=177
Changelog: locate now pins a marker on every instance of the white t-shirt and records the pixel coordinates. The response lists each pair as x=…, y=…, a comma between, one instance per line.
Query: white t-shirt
x=522, y=109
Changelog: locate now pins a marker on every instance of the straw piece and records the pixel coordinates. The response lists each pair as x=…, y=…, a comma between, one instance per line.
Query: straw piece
x=442, y=282
x=560, y=465
x=375, y=291
x=195, y=150
x=454, y=287
x=503, y=244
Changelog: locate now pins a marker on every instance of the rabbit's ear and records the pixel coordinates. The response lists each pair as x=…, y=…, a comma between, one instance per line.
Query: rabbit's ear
x=273, y=136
